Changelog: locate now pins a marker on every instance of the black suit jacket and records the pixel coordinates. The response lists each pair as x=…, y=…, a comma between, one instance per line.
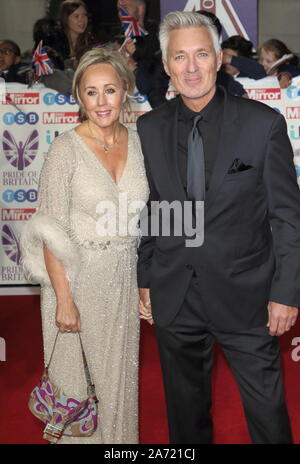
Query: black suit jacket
x=16, y=73
x=251, y=249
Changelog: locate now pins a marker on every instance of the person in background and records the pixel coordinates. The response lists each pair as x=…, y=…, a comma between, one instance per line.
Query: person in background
x=46, y=29
x=271, y=51
x=73, y=37
x=145, y=61
x=237, y=58
x=11, y=69
x=138, y=10
x=144, y=57
x=61, y=79
x=236, y=46
x=223, y=78
x=268, y=53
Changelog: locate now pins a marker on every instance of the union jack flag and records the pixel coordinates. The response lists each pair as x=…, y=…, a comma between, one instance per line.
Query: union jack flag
x=41, y=62
x=130, y=25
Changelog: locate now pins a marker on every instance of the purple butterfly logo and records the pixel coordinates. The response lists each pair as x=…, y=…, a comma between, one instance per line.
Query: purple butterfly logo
x=11, y=244
x=20, y=155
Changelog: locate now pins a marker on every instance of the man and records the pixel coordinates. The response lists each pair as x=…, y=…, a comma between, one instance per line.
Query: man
x=10, y=59
x=242, y=286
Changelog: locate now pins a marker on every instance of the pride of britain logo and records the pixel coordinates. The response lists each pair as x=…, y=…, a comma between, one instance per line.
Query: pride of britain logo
x=20, y=154
x=11, y=244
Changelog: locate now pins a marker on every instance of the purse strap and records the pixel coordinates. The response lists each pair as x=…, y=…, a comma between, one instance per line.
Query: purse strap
x=85, y=364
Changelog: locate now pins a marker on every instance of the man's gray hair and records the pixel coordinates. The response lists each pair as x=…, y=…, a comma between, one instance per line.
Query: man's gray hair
x=184, y=20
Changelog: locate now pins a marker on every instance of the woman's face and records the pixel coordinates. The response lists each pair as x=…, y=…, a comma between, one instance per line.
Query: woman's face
x=267, y=58
x=102, y=94
x=78, y=21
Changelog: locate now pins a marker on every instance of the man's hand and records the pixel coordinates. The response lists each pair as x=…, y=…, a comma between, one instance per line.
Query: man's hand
x=145, y=305
x=281, y=318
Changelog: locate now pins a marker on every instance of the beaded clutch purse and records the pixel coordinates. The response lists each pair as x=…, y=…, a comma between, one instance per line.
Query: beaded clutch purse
x=62, y=414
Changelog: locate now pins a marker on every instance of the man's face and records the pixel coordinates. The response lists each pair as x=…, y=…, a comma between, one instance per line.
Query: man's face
x=192, y=63
x=7, y=56
x=131, y=6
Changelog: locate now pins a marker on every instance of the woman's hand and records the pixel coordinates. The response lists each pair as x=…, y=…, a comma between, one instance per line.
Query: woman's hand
x=67, y=317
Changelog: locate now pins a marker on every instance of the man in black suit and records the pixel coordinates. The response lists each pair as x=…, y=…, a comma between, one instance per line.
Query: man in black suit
x=242, y=285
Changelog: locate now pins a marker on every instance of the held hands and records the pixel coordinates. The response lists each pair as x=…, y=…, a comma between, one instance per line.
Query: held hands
x=67, y=317
x=281, y=318
x=145, y=305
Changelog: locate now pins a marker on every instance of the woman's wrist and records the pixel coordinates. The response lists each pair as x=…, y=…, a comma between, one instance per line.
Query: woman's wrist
x=63, y=299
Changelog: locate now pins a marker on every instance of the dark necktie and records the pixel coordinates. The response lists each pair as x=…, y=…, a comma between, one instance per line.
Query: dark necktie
x=195, y=164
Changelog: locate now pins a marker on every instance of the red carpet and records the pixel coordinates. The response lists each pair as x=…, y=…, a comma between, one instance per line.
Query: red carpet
x=20, y=326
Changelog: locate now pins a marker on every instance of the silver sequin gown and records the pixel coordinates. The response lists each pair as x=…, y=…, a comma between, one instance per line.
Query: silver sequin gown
x=102, y=274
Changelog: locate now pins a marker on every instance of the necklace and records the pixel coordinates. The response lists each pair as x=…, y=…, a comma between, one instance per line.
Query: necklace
x=106, y=148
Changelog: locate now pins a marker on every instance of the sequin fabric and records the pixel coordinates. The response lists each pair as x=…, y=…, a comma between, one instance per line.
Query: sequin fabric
x=72, y=183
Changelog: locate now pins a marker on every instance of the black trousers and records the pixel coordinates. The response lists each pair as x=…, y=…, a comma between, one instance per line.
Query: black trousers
x=186, y=353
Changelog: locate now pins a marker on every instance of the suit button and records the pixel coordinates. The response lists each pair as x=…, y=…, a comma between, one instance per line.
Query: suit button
x=189, y=267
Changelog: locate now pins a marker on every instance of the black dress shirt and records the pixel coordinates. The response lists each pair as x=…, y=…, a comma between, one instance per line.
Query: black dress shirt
x=209, y=126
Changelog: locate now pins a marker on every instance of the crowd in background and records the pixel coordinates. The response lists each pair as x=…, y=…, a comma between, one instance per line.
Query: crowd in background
x=70, y=36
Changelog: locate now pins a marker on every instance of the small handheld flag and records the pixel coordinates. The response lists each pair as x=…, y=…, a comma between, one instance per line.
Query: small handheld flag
x=130, y=25
x=41, y=62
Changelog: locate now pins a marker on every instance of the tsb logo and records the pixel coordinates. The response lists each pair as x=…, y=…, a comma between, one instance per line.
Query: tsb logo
x=20, y=196
x=20, y=118
x=58, y=99
x=139, y=98
x=293, y=92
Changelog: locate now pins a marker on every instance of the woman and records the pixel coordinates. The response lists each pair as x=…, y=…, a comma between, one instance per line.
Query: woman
x=74, y=37
x=271, y=51
x=86, y=265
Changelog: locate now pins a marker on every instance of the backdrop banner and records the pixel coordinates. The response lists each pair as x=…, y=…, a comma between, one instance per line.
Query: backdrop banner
x=238, y=17
x=32, y=118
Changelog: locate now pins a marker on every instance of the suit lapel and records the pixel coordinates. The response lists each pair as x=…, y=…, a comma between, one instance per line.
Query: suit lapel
x=229, y=133
x=169, y=131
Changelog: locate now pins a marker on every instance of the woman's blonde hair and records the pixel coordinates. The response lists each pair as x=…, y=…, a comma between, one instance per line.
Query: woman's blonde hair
x=102, y=55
